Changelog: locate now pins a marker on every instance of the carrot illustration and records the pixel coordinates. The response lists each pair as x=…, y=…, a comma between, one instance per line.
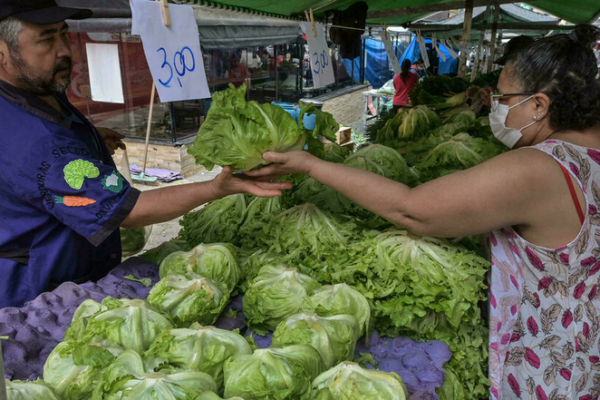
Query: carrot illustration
x=73, y=201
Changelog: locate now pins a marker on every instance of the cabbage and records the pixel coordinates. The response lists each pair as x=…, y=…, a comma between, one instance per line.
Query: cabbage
x=325, y=198
x=418, y=122
x=216, y=222
x=29, y=390
x=238, y=133
x=273, y=373
x=328, y=301
x=190, y=298
x=216, y=261
x=306, y=229
x=131, y=324
x=73, y=369
x=336, y=153
x=333, y=337
x=127, y=379
x=276, y=293
x=198, y=348
x=381, y=160
x=350, y=381
x=82, y=315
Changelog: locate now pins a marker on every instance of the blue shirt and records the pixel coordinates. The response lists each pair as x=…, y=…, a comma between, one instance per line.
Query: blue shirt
x=61, y=198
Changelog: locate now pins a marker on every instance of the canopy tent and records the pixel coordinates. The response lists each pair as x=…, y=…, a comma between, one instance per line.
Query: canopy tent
x=402, y=11
x=218, y=28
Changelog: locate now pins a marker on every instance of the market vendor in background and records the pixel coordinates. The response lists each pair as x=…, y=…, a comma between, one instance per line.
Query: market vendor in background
x=62, y=199
x=541, y=204
x=404, y=83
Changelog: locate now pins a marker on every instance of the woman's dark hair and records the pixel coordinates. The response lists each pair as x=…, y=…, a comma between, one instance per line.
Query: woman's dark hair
x=405, y=69
x=564, y=68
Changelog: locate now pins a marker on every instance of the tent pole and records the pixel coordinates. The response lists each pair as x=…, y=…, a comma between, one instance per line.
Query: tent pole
x=477, y=63
x=462, y=63
x=492, y=54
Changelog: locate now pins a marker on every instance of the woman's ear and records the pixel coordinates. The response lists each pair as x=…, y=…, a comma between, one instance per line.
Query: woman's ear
x=541, y=102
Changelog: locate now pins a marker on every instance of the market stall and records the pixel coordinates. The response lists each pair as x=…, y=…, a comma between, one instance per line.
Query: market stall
x=303, y=296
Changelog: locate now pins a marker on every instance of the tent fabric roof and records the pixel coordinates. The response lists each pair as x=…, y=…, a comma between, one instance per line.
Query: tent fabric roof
x=582, y=13
x=508, y=13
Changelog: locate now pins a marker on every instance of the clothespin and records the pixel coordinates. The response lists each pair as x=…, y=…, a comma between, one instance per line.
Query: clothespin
x=385, y=33
x=165, y=11
x=312, y=22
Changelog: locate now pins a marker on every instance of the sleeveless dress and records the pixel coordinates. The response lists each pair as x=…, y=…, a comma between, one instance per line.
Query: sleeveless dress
x=544, y=303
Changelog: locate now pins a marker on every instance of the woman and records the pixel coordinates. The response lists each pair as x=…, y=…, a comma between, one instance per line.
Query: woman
x=541, y=203
x=404, y=85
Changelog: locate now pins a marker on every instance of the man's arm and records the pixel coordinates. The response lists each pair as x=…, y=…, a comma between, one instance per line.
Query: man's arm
x=161, y=205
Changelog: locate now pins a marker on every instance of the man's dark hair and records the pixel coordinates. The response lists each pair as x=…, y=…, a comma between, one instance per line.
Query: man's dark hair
x=564, y=68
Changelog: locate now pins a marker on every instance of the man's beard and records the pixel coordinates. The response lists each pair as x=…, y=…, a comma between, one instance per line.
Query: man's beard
x=36, y=85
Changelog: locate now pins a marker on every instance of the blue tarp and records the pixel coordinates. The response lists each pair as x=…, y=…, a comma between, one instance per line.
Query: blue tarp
x=377, y=70
x=413, y=53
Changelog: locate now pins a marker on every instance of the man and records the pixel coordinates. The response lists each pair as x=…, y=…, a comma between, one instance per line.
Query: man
x=61, y=199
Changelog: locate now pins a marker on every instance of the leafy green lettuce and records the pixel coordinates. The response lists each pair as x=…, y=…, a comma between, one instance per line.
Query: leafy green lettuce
x=190, y=298
x=350, y=381
x=198, y=348
x=238, y=133
x=333, y=337
x=276, y=293
x=273, y=373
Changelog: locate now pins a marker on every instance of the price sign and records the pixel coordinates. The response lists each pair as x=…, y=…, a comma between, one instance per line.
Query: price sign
x=320, y=59
x=389, y=49
x=173, y=53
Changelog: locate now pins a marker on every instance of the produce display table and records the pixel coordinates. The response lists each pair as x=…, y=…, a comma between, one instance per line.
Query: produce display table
x=36, y=328
x=374, y=101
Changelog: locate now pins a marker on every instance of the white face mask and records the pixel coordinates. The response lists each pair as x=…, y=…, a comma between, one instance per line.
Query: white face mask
x=498, y=116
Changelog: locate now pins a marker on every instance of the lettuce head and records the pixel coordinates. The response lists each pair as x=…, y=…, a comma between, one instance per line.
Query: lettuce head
x=273, y=373
x=74, y=369
x=30, y=390
x=216, y=261
x=340, y=299
x=333, y=337
x=276, y=293
x=238, y=133
x=350, y=381
x=198, y=348
x=131, y=324
x=127, y=379
x=190, y=298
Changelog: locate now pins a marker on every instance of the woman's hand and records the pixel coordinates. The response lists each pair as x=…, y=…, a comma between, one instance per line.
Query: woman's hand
x=227, y=183
x=284, y=164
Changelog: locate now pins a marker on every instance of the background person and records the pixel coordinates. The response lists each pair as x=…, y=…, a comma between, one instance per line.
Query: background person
x=404, y=83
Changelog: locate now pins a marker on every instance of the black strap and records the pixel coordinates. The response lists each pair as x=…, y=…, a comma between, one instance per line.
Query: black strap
x=19, y=255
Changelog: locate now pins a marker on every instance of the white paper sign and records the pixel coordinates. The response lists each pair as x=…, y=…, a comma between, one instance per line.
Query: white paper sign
x=173, y=53
x=105, y=72
x=320, y=59
x=423, y=48
x=389, y=49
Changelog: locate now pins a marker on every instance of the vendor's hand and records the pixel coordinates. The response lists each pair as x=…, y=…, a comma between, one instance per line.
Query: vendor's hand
x=284, y=164
x=112, y=139
x=486, y=97
x=227, y=183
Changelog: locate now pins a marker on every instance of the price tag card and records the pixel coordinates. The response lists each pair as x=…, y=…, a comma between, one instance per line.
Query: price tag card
x=173, y=52
x=389, y=49
x=320, y=59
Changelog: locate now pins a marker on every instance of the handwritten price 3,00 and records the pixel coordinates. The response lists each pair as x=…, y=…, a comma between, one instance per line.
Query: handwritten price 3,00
x=181, y=64
x=320, y=62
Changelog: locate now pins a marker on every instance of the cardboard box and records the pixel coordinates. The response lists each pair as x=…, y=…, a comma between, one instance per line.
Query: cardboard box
x=343, y=135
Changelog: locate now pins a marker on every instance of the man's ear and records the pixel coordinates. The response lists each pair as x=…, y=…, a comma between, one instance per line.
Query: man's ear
x=3, y=53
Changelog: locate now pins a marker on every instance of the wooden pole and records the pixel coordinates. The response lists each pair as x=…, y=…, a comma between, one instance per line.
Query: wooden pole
x=477, y=64
x=462, y=63
x=493, y=43
x=149, y=128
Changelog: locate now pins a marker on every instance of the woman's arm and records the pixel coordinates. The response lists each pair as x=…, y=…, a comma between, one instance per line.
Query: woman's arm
x=508, y=190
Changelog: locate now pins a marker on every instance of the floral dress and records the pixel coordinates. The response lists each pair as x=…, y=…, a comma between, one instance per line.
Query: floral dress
x=544, y=303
